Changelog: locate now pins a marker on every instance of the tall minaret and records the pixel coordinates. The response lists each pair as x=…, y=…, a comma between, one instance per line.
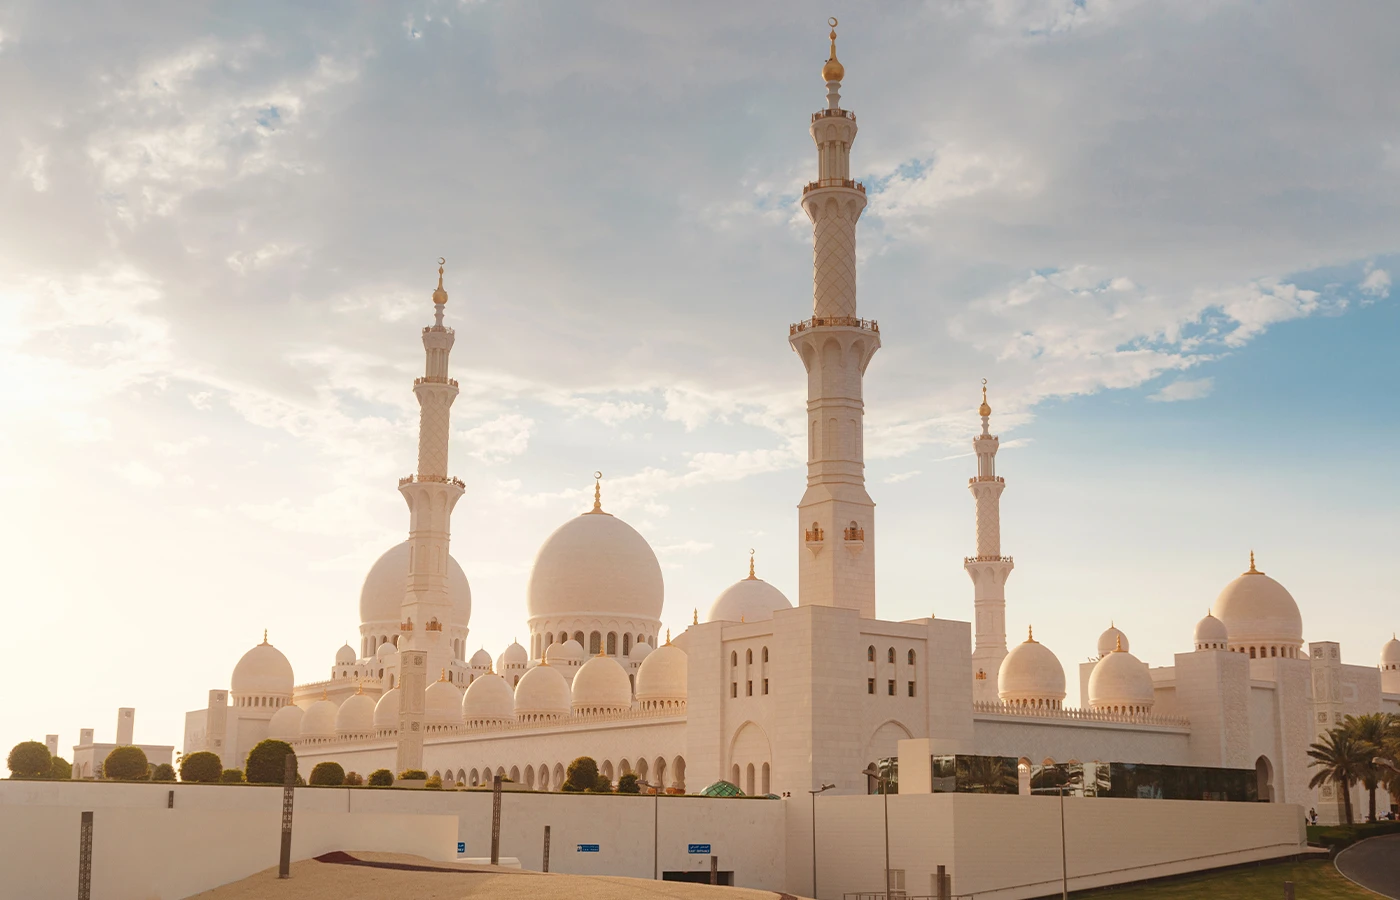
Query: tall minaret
x=431, y=495
x=988, y=569
x=836, y=519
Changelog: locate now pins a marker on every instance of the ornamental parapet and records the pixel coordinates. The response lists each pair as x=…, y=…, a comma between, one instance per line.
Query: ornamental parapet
x=833, y=113
x=977, y=559
x=835, y=321
x=854, y=534
x=437, y=329
x=538, y=724
x=815, y=535
x=1079, y=715
x=980, y=478
x=434, y=379
x=432, y=479
x=832, y=183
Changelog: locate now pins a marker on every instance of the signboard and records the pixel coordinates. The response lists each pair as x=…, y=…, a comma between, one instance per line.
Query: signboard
x=703, y=849
x=461, y=847
x=588, y=848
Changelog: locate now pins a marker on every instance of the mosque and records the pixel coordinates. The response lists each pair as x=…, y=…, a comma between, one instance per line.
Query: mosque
x=765, y=694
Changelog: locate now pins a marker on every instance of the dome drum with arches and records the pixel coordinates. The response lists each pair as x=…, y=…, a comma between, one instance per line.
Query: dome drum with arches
x=1260, y=616
x=382, y=595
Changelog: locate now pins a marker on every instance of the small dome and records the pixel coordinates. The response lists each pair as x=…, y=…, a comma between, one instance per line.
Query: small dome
x=568, y=653
x=262, y=671
x=1031, y=674
x=664, y=675
x=488, y=699
x=386, y=652
x=356, y=716
x=319, y=720
x=1390, y=653
x=381, y=595
x=386, y=711
x=1120, y=682
x=481, y=659
x=1112, y=640
x=1211, y=634
x=285, y=724
x=595, y=565
x=601, y=684
x=345, y=655
x=513, y=657
x=1258, y=610
x=833, y=70
x=750, y=600
x=442, y=703
x=542, y=691
x=639, y=652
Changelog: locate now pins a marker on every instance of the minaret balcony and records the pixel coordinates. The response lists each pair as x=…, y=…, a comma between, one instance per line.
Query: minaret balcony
x=432, y=479
x=969, y=560
x=442, y=329
x=979, y=478
x=834, y=322
x=434, y=379
x=832, y=183
x=829, y=113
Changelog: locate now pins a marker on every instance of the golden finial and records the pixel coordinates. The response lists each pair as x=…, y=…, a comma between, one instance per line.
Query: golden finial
x=1119, y=648
x=1252, y=570
x=833, y=70
x=443, y=676
x=597, y=509
x=1030, y=634
x=741, y=618
x=264, y=635
x=323, y=693
x=359, y=687
x=696, y=619
x=984, y=410
x=440, y=295
x=752, y=576
x=668, y=637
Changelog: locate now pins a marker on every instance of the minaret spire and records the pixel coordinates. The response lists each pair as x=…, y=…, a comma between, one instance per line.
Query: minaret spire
x=836, y=520
x=988, y=569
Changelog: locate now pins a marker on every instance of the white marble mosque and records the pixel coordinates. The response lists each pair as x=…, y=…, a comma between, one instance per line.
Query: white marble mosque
x=768, y=694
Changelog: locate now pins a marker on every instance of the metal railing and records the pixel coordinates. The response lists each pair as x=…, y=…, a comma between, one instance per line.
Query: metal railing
x=836, y=113
x=835, y=322
x=832, y=183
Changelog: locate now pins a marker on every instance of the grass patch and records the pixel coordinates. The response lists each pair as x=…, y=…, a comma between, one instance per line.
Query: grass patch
x=1314, y=879
x=1346, y=835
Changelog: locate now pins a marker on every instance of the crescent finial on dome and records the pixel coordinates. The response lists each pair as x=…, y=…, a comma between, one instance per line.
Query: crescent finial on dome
x=985, y=409
x=752, y=576
x=597, y=509
x=440, y=295
x=833, y=70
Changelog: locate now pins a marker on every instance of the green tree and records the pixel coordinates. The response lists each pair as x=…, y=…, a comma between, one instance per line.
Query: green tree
x=434, y=783
x=413, y=775
x=1340, y=758
x=627, y=784
x=201, y=767
x=381, y=778
x=601, y=786
x=29, y=759
x=126, y=764
x=989, y=775
x=60, y=769
x=582, y=774
x=232, y=776
x=328, y=773
x=354, y=779
x=1373, y=730
x=163, y=772
x=267, y=762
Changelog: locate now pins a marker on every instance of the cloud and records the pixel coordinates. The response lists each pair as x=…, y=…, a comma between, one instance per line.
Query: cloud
x=1376, y=284
x=139, y=474
x=501, y=439
x=1184, y=389
x=901, y=476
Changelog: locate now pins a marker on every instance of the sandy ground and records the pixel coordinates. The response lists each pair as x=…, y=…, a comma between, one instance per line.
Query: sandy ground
x=312, y=880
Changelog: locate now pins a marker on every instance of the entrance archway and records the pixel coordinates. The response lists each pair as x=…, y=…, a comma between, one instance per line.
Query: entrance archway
x=1264, y=776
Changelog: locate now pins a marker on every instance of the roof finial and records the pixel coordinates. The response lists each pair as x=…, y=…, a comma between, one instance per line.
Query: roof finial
x=443, y=676
x=1030, y=634
x=1252, y=569
x=752, y=576
x=833, y=70
x=984, y=410
x=359, y=686
x=668, y=637
x=264, y=635
x=597, y=509
x=696, y=616
x=440, y=295
x=323, y=694
x=1119, y=648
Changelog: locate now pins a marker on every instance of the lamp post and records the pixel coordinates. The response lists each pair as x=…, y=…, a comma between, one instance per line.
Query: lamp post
x=824, y=788
x=1064, y=853
x=655, y=829
x=883, y=783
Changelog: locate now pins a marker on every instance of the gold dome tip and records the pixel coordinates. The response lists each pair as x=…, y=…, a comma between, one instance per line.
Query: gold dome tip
x=984, y=410
x=833, y=70
x=1252, y=569
x=440, y=295
x=1030, y=634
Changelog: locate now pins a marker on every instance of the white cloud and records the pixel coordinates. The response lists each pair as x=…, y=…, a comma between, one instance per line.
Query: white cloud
x=1184, y=389
x=1376, y=284
x=901, y=476
x=139, y=474
x=501, y=439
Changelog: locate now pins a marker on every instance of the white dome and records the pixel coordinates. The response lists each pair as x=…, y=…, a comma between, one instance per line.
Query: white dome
x=542, y=691
x=1211, y=634
x=386, y=652
x=1257, y=611
x=1120, y=682
x=1390, y=653
x=664, y=675
x=1030, y=673
x=488, y=699
x=285, y=724
x=513, y=657
x=381, y=595
x=639, y=652
x=262, y=671
x=601, y=684
x=356, y=715
x=1112, y=640
x=386, y=711
x=568, y=653
x=480, y=659
x=319, y=720
x=750, y=600
x=345, y=655
x=595, y=565
x=442, y=703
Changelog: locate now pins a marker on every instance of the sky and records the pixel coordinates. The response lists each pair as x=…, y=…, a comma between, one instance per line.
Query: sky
x=1165, y=234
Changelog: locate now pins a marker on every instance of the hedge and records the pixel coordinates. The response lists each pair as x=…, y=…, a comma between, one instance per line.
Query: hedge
x=328, y=773
x=126, y=764
x=232, y=776
x=30, y=759
x=267, y=762
x=201, y=767
x=381, y=778
x=163, y=772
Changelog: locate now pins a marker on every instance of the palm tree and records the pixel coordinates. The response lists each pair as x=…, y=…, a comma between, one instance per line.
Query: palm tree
x=990, y=775
x=1342, y=759
x=1374, y=730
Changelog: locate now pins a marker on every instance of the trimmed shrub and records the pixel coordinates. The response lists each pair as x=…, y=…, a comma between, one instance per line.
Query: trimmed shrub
x=328, y=773
x=627, y=784
x=163, y=772
x=232, y=776
x=583, y=773
x=29, y=759
x=126, y=764
x=568, y=788
x=413, y=775
x=60, y=769
x=354, y=779
x=601, y=786
x=381, y=778
x=434, y=783
x=267, y=762
x=201, y=767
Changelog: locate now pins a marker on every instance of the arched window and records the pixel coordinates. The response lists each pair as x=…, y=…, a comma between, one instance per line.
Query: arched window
x=627, y=645
x=911, y=656
x=765, y=654
x=870, y=653
x=1251, y=652
x=733, y=658
x=890, y=654
x=748, y=656
x=612, y=643
x=578, y=637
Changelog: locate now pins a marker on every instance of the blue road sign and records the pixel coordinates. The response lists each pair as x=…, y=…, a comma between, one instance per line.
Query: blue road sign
x=461, y=847
x=588, y=848
x=700, y=848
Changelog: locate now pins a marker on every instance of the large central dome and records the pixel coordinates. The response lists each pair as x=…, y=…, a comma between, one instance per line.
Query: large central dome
x=596, y=565
x=381, y=596
x=1259, y=612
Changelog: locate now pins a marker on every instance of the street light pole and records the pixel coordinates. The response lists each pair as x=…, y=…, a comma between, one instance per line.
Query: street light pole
x=824, y=788
x=883, y=784
x=655, y=829
x=1064, y=851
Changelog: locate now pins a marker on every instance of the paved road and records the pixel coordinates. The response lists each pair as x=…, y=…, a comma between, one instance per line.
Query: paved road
x=1374, y=863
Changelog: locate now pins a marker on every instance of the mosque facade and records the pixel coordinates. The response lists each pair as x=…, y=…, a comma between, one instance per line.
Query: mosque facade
x=766, y=694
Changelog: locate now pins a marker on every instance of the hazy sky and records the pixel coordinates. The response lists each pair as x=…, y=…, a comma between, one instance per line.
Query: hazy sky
x=1165, y=232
